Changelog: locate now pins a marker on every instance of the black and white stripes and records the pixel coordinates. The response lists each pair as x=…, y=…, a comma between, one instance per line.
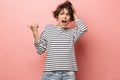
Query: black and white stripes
x=59, y=43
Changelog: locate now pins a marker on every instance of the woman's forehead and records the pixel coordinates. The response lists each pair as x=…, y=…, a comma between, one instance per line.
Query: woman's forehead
x=64, y=10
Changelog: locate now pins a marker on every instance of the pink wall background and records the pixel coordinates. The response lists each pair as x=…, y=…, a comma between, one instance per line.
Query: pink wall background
x=97, y=52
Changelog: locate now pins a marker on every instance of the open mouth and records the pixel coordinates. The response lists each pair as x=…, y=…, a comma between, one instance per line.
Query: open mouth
x=64, y=21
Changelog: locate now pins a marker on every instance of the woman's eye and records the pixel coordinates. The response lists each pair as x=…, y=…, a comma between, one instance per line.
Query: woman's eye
x=61, y=13
x=68, y=14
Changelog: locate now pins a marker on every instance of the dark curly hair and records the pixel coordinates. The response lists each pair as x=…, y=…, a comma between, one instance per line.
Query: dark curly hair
x=68, y=5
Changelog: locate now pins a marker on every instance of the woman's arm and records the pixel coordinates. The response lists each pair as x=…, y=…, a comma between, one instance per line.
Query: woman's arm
x=75, y=16
x=80, y=29
x=34, y=29
x=39, y=43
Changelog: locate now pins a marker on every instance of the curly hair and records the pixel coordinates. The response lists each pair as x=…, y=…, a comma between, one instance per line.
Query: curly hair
x=68, y=5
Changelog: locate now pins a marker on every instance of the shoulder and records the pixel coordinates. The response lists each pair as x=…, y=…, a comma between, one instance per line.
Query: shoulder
x=48, y=26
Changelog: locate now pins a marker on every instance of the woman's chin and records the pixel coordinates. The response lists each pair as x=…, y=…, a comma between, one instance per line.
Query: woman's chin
x=65, y=25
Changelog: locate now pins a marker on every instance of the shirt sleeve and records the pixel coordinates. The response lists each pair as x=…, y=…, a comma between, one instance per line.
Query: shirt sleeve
x=42, y=43
x=79, y=30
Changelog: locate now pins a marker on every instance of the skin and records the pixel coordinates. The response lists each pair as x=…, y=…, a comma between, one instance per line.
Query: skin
x=63, y=15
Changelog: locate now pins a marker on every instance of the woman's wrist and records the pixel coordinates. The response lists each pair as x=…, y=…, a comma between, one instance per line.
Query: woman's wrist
x=75, y=17
x=35, y=35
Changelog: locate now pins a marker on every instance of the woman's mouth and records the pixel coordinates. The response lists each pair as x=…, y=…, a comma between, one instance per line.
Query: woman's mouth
x=64, y=21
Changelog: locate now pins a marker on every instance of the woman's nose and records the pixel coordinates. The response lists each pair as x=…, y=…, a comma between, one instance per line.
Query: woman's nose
x=65, y=16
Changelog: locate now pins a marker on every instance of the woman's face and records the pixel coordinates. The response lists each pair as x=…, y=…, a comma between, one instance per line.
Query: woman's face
x=63, y=18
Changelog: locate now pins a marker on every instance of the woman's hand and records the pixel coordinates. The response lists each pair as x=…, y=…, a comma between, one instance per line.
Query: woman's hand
x=33, y=27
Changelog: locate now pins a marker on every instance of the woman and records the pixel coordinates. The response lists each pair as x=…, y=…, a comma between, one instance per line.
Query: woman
x=58, y=41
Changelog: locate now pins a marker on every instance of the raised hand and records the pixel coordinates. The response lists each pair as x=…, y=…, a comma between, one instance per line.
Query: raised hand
x=33, y=27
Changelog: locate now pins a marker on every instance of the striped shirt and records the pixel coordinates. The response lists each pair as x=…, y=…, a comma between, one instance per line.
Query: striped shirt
x=59, y=42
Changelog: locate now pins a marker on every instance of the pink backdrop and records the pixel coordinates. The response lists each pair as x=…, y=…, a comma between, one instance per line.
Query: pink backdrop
x=97, y=52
